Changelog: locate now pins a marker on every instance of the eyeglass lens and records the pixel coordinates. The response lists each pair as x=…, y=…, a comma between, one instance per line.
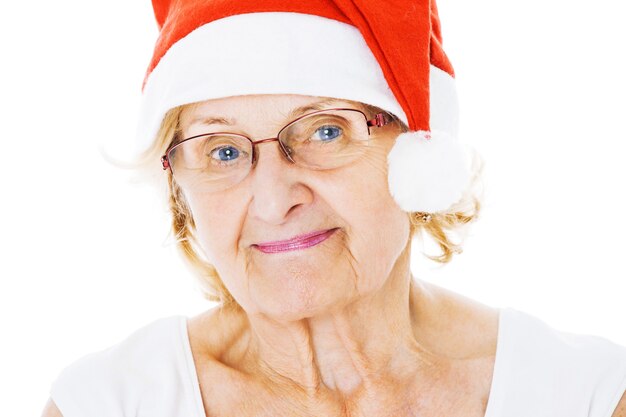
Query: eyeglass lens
x=323, y=140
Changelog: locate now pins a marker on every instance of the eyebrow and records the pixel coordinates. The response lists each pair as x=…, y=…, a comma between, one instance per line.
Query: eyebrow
x=293, y=114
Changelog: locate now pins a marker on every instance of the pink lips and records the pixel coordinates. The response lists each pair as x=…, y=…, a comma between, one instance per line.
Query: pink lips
x=299, y=242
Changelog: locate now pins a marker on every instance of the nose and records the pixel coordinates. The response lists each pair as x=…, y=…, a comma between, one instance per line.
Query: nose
x=277, y=185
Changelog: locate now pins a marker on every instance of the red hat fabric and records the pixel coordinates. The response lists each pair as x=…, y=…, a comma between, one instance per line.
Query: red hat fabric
x=404, y=36
x=394, y=60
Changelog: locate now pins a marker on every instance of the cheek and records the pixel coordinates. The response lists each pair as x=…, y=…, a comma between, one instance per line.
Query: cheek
x=370, y=203
x=378, y=229
x=218, y=222
x=380, y=232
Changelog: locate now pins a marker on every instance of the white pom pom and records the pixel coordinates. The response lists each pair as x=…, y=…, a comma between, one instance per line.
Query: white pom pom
x=428, y=171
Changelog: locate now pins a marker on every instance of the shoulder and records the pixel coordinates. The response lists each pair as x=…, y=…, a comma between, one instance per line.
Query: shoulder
x=590, y=353
x=142, y=345
x=113, y=378
x=585, y=371
x=538, y=369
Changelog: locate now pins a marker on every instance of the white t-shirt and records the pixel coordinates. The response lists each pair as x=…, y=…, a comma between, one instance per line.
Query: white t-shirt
x=539, y=372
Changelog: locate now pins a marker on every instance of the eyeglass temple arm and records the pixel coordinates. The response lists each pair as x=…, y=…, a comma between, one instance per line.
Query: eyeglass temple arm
x=379, y=120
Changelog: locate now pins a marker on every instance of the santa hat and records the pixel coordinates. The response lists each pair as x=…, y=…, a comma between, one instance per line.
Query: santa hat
x=386, y=54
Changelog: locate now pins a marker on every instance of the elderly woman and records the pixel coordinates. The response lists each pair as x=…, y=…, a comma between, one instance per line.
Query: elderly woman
x=304, y=146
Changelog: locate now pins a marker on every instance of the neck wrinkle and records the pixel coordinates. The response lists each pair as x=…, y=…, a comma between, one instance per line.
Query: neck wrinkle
x=349, y=350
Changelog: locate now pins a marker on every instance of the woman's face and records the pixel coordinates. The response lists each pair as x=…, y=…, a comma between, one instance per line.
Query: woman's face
x=279, y=200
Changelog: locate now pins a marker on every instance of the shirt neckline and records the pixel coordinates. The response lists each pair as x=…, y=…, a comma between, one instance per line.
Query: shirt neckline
x=190, y=366
x=493, y=402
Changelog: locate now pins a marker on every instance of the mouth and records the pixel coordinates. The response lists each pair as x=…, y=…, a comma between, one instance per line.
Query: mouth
x=297, y=243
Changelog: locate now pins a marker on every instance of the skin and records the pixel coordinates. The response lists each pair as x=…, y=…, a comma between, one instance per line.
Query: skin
x=340, y=329
x=336, y=329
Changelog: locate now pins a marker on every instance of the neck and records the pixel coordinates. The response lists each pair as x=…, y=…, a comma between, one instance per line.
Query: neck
x=355, y=347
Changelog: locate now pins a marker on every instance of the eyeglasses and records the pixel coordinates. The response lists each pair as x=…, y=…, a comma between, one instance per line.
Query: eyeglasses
x=320, y=140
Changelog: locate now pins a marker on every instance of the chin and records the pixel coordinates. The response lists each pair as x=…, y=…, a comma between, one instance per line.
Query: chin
x=299, y=296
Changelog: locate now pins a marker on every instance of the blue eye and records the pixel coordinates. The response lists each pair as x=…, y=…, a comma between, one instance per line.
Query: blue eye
x=226, y=153
x=329, y=132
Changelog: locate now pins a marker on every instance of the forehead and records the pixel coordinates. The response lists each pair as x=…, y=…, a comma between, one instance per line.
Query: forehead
x=240, y=110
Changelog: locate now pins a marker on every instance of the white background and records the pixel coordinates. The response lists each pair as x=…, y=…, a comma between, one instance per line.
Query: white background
x=86, y=257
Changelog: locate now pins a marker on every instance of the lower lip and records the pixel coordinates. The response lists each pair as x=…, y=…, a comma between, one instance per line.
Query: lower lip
x=301, y=244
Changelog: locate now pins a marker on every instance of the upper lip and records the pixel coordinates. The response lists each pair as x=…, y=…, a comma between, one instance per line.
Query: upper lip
x=293, y=240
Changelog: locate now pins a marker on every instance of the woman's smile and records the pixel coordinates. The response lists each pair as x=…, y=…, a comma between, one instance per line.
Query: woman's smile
x=299, y=242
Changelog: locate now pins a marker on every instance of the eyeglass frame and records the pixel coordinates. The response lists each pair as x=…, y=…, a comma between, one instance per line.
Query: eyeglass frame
x=379, y=120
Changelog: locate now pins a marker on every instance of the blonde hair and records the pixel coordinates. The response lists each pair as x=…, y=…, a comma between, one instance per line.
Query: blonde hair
x=440, y=227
